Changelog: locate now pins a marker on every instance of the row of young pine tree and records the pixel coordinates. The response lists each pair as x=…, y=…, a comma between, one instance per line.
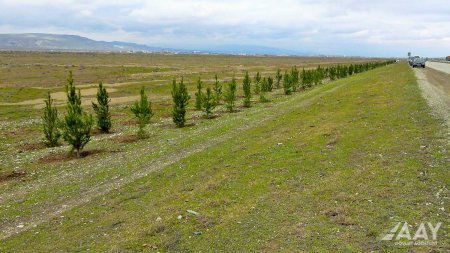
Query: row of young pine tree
x=76, y=125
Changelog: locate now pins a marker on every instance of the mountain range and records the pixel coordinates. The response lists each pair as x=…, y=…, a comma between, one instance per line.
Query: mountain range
x=75, y=43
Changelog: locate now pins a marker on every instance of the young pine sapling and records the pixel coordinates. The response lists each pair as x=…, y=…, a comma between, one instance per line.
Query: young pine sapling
x=199, y=95
x=246, y=86
x=77, y=124
x=230, y=95
x=180, y=98
x=208, y=102
x=142, y=110
x=102, y=109
x=50, y=123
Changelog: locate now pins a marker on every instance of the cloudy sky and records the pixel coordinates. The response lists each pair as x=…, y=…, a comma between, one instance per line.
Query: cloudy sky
x=344, y=27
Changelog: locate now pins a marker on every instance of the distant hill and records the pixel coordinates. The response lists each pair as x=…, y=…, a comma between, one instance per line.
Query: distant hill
x=56, y=42
x=75, y=43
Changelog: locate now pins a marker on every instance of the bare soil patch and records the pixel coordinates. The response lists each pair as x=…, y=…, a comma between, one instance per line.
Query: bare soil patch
x=95, y=132
x=15, y=174
x=33, y=146
x=67, y=156
x=60, y=98
x=128, y=138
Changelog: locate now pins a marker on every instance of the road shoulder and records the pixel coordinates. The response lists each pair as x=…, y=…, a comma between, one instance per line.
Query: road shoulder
x=435, y=93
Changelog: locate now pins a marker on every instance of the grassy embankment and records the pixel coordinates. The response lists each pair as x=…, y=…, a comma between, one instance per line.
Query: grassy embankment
x=331, y=169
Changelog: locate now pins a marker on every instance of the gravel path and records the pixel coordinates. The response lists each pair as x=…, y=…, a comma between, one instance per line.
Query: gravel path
x=437, y=98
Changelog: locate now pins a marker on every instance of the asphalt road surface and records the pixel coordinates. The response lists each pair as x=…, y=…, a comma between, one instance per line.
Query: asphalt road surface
x=434, y=81
x=441, y=66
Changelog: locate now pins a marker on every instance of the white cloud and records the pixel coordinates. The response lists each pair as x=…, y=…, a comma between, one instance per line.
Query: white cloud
x=322, y=26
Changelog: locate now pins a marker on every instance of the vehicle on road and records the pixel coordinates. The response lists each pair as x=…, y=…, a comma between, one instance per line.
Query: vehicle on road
x=411, y=59
x=447, y=58
x=418, y=62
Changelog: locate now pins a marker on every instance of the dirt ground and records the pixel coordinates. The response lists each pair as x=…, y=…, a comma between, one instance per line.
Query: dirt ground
x=60, y=98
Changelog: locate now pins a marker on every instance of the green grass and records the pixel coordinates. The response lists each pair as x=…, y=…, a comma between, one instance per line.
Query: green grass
x=328, y=169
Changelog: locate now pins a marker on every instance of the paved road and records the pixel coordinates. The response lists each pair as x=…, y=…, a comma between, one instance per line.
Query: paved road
x=444, y=67
x=435, y=86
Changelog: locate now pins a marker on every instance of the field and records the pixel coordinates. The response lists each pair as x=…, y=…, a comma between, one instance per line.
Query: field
x=330, y=168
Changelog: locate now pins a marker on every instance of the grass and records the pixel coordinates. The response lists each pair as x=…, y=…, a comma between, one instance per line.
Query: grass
x=328, y=169
x=27, y=69
x=28, y=76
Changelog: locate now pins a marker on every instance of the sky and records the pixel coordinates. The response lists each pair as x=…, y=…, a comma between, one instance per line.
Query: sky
x=329, y=27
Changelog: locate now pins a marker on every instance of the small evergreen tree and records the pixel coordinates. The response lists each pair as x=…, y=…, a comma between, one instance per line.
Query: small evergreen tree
x=257, y=88
x=180, y=98
x=278, y=76
x=246, y=86
x=326, y=73
x=50, y=123
x=332, y=73
x=287, y=84
x=230, y=95
x=217, y=90
x=102, y=109
x=308, y=78
x=321, y=73
x=264, y=90
x=199, y=95
x=270, y=83
x=316, y=77
x=294, y=76
x=142, y=110
x=77, y=124
x=356, y=69
x=208, y=102
x=304, y=77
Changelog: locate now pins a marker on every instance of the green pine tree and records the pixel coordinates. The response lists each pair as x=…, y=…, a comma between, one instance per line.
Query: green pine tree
x=270, y=83
x=230, y=95
x=246, y=86
x=287, y=84
x=332, y=73
x=304, y=77
x=142, y=110
x=217, y=90
x=50, y=123
x=102, y=109
x=278, y=76
x=199, y=95
x=208, y=102
x=77, y=124
x=257, y=88
x=294, y=78
x=180, y=98
x=264, y=90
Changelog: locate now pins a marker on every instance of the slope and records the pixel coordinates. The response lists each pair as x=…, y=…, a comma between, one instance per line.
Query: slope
x=330, y=168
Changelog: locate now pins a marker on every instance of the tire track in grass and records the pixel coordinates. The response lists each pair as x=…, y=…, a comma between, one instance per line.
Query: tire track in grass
x=47, y=212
